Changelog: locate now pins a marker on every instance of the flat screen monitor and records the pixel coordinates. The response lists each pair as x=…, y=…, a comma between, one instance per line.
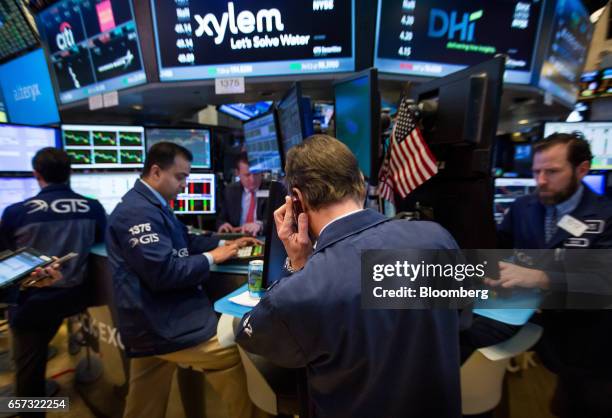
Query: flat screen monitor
x=200, y=39
x=434, y=38
x=16, y=189
x=104, y=146
x=605, y=87
x=507, y=191
x=245, y=111
x=323, y=112
x=589, y=84
x=28, y=92
x=3, y=115
x=290, y=118
x=18, y=144
x=16, y=33
x=92, y=46
x=566, y=51
x=596, y=182
x=195, y=140
x=107, y=188
x=261, y=140
x=274, y=250
x=198, y=198
x=357, y=115
x=598, y=134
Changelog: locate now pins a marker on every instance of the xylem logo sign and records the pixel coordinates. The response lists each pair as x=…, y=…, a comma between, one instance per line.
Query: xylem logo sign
x=65, y=38
x=246, y=22
x=443, y=24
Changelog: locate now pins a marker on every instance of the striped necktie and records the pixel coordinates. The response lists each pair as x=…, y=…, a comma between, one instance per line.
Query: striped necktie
x=550, y=223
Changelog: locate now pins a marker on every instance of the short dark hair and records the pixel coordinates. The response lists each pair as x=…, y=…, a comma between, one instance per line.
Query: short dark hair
x=242, y=158
x=325, y=171
x=578, y=148
x=52, y=164
x=163, y=154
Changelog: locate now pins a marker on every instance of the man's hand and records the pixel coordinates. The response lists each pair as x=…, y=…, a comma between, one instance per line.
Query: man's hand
x=297, y=244
x=226, y=228
x=44, y=277
x=244, y=242
x=224, y=253
x=511, y=275
x=251, y=228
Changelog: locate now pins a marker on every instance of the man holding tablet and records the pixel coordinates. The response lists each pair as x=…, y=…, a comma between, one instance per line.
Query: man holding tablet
x=55, y=222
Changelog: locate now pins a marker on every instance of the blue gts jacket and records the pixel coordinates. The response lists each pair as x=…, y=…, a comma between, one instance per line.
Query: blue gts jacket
x=55, y=222
x=360, y=362
x=158, y=270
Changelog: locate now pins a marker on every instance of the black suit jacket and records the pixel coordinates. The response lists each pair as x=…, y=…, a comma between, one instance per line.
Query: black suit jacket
x=231, y=206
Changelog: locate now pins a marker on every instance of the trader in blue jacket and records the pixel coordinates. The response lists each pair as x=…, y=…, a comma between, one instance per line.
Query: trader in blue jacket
x=564, y=214
x=56, y=221
x=165, y=316
x=359, y=362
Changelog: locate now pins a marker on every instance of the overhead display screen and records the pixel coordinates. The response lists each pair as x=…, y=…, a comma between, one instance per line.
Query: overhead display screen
x=435, y=38
x=104, y=146
x=568, y=45
x=16, y=34
x=93, y=47
x=199, y=39
x=28, y=92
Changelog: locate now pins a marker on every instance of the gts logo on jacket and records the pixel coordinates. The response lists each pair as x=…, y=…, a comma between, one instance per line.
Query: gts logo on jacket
x=58, y=206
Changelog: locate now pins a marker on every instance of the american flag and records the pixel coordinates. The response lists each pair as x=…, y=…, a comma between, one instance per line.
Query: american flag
x=410, y=163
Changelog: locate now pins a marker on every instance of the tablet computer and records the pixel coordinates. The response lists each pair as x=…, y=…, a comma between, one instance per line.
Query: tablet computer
x=19, y=264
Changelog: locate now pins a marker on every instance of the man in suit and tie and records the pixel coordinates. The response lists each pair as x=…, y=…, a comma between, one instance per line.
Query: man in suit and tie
x=241, y=209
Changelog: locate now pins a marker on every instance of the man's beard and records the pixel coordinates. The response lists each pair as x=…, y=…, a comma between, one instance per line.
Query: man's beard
x=561, y=196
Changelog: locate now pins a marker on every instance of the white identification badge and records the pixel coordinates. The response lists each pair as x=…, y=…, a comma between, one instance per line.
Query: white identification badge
x=573, y=225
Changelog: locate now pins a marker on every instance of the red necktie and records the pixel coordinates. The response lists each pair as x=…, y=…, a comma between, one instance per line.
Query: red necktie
x=251, y=212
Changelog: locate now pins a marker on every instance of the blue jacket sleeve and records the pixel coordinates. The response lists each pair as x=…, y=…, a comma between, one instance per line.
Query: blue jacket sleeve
x=145, y=245
x=199, y=244
x=262, y=331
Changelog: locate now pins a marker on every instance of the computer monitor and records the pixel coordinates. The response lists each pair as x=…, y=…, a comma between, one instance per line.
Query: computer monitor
x=274, y=250
x=261, y=140
x=435, y=38
x=245, y=111
x=596, y=182
x=195, y=140
x=291, y=118
x=507, y=191
x=198, y=198
x=19, y=143
x=598, y=134
x=16, y=189
x=358, y=118
x=104, y=146
x=323, y=112
x=108, y=188
x=252, y=38
x=92, y=46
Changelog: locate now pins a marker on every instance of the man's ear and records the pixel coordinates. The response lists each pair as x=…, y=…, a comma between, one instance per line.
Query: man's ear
x=583, y=169
x=298, y=193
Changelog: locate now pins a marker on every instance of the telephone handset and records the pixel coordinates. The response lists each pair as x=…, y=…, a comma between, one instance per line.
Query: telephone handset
x=297, y=209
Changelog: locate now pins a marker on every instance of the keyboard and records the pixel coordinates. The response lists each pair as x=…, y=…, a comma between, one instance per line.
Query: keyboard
x=251, y=251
